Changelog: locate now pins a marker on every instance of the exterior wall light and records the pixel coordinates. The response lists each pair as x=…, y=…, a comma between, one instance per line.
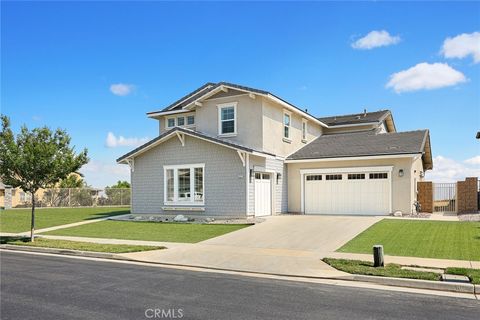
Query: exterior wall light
x=400, y=173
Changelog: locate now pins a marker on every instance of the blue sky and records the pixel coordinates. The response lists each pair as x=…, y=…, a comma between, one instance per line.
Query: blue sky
x=59, y=60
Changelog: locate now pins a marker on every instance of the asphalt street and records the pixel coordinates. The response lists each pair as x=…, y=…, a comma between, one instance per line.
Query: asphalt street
x=48, y=287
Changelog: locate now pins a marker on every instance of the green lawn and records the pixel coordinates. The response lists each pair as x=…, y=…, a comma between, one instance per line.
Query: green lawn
x=473, y=274
x=427, y=239
x=18, y=220
x=390, y=270
x=75, y=245
x=152, y=231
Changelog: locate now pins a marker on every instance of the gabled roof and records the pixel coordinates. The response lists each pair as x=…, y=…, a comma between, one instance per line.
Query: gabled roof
x=209, y=89
x=357, y=118
x=168, y=134
x=367, y=143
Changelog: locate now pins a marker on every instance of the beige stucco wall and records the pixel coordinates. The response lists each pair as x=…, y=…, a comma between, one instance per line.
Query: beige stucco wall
x=402, y=188
x=273, y=141
x=417, y=168
x=249, y=119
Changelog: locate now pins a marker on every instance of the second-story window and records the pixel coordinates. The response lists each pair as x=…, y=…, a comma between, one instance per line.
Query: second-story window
x=190, y=120
x=227, y=118
x=286, y=124
x=170, y=122
x=304, y=130
x=180, y=121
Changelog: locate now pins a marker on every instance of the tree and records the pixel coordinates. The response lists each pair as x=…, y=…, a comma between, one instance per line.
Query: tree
x=72, y=181
x=36, y=159
x=121, y=185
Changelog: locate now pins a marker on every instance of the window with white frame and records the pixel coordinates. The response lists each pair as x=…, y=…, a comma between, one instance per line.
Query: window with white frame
x=190, y=120
x=170, y=122
x=180, y=121
x=304, y=130
x=286, y=124
x=227, y=119
x=184, y=184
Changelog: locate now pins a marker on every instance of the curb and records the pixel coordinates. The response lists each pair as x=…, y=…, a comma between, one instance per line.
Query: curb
x=386, y=281
x=78, y=253
x=421, y=284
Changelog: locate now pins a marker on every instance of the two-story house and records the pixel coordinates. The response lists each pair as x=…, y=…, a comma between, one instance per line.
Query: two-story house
x=230, y=150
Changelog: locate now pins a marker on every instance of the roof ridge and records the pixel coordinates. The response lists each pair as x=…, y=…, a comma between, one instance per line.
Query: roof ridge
x=354, y=114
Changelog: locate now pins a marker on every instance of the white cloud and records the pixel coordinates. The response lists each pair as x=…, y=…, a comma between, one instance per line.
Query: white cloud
x=121, y=89
x=375, y=39
x=449, y=170
x=473, y=161
x=113, y=141
x=462, y=45
x=100, y=174
x=425, y=76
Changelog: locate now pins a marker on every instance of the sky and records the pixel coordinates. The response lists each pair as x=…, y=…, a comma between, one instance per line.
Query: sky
x=96, y=68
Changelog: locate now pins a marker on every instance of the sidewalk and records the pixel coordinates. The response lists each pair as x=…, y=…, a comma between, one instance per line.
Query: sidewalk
x=414, y=261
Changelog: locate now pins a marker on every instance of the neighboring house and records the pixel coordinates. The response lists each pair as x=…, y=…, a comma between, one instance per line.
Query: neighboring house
x=230, y=150
x=17, y=198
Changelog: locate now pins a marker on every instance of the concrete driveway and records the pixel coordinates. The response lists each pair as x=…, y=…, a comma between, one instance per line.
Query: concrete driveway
x=286, y=245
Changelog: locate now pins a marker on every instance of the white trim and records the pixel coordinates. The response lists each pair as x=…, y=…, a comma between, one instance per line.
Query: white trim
x=131, y=163
x=153, y=145
x=289, y=114
x=247, y=182
x=223, y=106
x=190, y=95
x=252, y=96
x=294, y=109
x=226, y=97
x=175, y=169
x=305, y=137
x=198, y=103
x=223, y=88
x=268, y=96
x=388, y=156
x=347, y=170
x=174, y=122
x=181, y=137
x=242, y=156
x=164, y=113
x=333, y=126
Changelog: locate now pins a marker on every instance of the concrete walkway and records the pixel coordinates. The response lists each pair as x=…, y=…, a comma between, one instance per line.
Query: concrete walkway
x=117, y=241
x=63, y=226
x=413, y=261
x=282, y=245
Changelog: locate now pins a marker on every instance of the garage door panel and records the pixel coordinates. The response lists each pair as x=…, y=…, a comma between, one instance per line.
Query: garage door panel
x=348, y=196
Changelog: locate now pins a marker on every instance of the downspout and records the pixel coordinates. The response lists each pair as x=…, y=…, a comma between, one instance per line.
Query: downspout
x=247, y=180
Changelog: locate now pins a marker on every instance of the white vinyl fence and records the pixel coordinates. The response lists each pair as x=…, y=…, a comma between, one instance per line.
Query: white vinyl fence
x=73, y=197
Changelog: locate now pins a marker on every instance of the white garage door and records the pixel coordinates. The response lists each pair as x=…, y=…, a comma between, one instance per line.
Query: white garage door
x=365, y=193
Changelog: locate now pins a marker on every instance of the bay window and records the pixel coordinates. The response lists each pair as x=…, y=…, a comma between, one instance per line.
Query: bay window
x=184, y=184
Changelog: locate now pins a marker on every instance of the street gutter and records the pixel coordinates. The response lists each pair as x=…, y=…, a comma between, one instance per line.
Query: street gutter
x=467, y=288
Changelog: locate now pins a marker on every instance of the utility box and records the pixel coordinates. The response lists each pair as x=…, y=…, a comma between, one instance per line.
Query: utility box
x=378, y=260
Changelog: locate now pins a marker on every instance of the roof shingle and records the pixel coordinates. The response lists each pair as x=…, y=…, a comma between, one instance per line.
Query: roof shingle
x=366, y=143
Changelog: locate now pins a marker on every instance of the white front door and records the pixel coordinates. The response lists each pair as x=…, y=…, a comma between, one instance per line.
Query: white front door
x=361, y=192
x=263, y=194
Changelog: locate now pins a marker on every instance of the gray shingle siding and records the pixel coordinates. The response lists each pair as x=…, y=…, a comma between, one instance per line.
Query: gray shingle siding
x=225, y=193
